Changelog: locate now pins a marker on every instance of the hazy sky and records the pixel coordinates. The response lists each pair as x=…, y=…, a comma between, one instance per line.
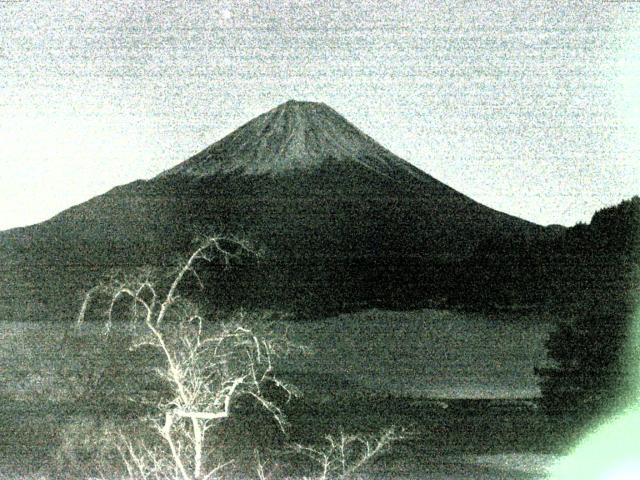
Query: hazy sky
x=532, y=108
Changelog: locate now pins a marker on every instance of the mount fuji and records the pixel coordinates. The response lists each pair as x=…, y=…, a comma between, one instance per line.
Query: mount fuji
x=344, y=223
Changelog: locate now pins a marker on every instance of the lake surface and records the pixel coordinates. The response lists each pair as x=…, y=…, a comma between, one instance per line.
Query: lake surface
x=428, y=353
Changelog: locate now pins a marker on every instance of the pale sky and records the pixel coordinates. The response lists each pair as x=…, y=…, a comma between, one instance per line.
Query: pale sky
x=529, y=107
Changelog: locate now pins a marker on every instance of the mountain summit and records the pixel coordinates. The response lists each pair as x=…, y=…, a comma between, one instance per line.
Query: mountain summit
x=295, y=136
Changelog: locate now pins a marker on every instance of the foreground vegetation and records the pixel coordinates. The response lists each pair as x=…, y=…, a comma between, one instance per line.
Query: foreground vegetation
x=52, y=423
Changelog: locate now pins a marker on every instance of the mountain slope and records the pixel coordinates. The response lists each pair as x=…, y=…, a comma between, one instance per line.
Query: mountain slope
x=345, y=223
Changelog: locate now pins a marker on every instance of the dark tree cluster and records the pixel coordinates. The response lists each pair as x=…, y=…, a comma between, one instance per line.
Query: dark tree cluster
x=591, y=368
x=592, y=350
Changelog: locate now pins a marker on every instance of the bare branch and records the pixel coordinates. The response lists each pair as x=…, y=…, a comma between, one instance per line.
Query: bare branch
x=342, y=457
x=217, y=469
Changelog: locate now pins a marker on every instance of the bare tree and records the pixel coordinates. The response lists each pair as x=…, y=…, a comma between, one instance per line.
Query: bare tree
x=338, y=457
x=207, y=366
x=342, y=457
